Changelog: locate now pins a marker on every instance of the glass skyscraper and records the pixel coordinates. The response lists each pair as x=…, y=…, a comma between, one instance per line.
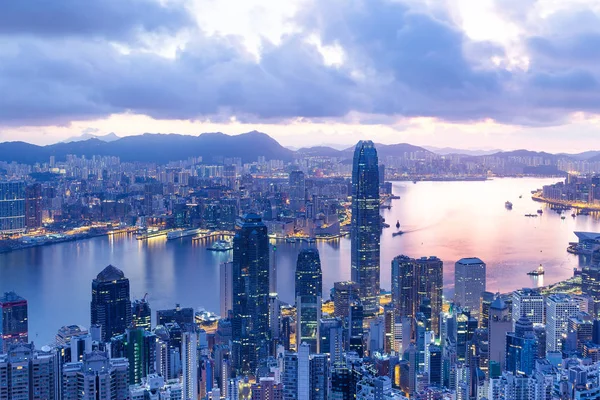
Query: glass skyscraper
x=366, y=225
x=250, y=325
x=309, y=282
x=13, y=320
x=12, y=207
x=111, y=304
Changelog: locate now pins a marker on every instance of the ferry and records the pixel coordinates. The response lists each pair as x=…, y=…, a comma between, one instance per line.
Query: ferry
x=537, y=272
x=398, y=233
x=508, y=205
x=221, y=245
x=178, y=234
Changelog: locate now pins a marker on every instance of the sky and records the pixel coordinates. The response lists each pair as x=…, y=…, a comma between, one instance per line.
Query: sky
x=471, y=74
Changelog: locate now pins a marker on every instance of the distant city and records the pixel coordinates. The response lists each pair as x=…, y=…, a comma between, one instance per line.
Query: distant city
x=355, y=341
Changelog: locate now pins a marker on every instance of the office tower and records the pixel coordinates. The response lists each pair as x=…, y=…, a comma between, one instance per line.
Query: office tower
x=177, y=315
x=250, y=324
x=344, y=293
x=389, y=320
x=111, y=305
x=226, y=285
x=528, y=303
x=273, y=272
x=141, y=314
x=297, y=191
x=189, y=364
x=355, y=328
x=308, y=298
x=140, y=350
x=12, y=207
x=303, y=372
x=366, y=225
x=499, y=325
x=274, y=316
x=409, y=373
x=229, y=176
x=521, y=348
x=33, y=206
x=414, y=280
x=267, y=389
x=580, y=331
x=97, y=377
x=590, y=285
x=469, y=283
x=13, y=320
x=559, y=308
x=319, y=377
x=435, y=366
x=484, y=309
x=66, y=333
x=332, y=339
x=28, y=374
x=290, y=376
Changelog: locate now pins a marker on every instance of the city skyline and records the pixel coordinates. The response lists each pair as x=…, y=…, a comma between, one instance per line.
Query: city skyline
x=522, y=71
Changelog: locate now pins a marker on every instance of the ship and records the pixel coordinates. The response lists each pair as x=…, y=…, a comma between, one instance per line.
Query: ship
x=398, y=224
x=221, y=245
x=182, y=233
x=540, y=211
x=290, y=240
x=562, y=217
x=537, y=272
x=520, y=196
x=508, y=205
x=531, y=215
x=398, y=233
x=573, y=215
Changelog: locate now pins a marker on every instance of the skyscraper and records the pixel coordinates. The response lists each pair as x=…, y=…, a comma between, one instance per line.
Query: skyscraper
x=33, y=206
x=521, y=348
x=366, y=225
x=498, y=326
x=111, y=304
x=469, y=283
x=141, y=314
x=97, y=377
x=309, y=281
x=226, y=286
x=297, y=191
x=414, y=280
x=528, y=303
x=559, y=309
x=250, y=325
x=344, y=293
x=13, y=320
x=12, y=207
x=28, y=374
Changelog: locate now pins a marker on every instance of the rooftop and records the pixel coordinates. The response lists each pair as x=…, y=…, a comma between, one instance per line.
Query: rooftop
x=470, y=261
x=110, y=273
x=11, y=297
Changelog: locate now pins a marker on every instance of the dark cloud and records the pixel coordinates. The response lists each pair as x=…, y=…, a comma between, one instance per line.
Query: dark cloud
x=60, y=66
x=112, y=19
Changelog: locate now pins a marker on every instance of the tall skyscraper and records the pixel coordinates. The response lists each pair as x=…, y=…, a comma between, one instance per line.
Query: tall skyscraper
x=97, y=377
x=528, y=303
x=12, y=207
x=111, y=304
x=414, y=280
x=521, y=348
x=297, y=191
x=28, y=374
x=189, y=364
x=226, y=285
x=14, y=323
x=141, y=314
x=469, y=283
x=309, y=282
x=366, y=225
x=250, y=325
x=559, y=309
x=344, y=293
x=498, y=326
x=33, y=206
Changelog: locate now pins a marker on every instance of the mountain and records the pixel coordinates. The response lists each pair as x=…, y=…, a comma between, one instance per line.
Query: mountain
x=160, y=148
x=443, y=151
x=525, y=153
x=586, y=155
x=319, y=151
x=109, y=137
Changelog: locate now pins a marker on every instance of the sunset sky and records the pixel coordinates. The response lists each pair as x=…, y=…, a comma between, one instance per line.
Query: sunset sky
x=473, y=74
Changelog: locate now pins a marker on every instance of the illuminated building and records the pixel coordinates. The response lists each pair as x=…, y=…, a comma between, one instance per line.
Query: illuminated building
x=13, y=320
x=111, y=305
x=308, y=298
x=366, y=225
x=297, y=191
x=141, y=314
x=559, y=309
x=528, y=303
x=469, y=283
x=12, y=207
x=33, y=206
x=97, y=377
x=344, y=293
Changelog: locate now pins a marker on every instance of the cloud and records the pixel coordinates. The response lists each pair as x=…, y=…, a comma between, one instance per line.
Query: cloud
x=59, y=64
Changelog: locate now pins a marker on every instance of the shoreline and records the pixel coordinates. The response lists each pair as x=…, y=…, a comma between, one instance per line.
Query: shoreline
x=578, y=206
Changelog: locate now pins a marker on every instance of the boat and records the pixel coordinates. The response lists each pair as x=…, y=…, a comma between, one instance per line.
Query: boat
x=531, y=215
x=221, y=245
x=537, y=272
x=398, y=224
x=290, y=240
x=573, y=215
x=182, y=233
x=508, y=205
x=540, y=211
x=414, y=182
x=398, y=233
x=562, y=217
x=520, y=196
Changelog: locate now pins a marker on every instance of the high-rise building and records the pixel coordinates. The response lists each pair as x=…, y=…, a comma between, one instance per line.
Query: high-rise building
x=140, y=350
x=226, y=285
x=484, y=308
x=141, y=314
x=33, y=206
x=14, y=322
x=559, y=309
x=177, y=315
x=414, y=280
x=528, y=303
x=267, y=389
x=97, y=377
x=309, y=282
x=303, y=372
x=189, y=364
x=297, y=191
x=366, y=225
x=28, y=374
x=319, y=377
x=250, y=324
x=521, y=348
x=590, y=285
x=469, y=283
x=344, y=293
x=12, y=207
x=580, y=331
x=111, y=304
x=499, y=325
